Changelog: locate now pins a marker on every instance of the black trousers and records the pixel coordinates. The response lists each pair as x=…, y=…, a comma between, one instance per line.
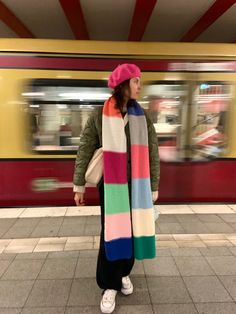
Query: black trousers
x=109, y=273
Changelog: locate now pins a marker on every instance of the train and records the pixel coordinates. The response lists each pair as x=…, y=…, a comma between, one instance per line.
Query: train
x=48, y=88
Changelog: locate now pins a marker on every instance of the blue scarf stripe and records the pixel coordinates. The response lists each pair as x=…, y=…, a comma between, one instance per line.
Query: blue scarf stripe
x=135, y=109
x=141, y=193
x=121, y=248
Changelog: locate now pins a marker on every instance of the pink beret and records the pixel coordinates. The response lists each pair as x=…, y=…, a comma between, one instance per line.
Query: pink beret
x=122, y=73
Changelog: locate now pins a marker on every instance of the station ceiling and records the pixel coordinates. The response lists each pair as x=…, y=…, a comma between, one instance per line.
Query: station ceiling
x=120, y=20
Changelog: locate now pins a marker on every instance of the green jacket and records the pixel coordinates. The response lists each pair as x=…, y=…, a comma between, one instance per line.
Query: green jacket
x=91, y=139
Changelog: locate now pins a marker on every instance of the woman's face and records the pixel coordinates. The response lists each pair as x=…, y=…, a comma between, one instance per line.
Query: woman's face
x=135, y=87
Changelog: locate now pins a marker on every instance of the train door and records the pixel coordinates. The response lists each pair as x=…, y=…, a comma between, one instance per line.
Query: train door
x=210, y=178
x=208, y=116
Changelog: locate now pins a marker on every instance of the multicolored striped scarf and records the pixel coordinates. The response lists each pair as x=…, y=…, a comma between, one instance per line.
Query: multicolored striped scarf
x=129, y=229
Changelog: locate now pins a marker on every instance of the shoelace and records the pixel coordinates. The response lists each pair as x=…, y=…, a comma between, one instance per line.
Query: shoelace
x=109, y=295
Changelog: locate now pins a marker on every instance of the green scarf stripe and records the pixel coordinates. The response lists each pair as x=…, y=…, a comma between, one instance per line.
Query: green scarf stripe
x=144, y=247
x=116, y=198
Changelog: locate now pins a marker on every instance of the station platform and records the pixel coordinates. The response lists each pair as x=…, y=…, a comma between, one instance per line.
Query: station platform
x=48, y=262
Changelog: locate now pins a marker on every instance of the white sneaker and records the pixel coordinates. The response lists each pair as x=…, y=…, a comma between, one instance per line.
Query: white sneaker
x=127, y=286
x=108, y=303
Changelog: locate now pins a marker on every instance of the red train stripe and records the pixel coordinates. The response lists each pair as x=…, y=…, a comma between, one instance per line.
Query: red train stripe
x=103, y=64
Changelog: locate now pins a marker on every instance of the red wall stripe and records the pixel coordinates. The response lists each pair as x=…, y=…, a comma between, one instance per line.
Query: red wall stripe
x=212, y=14
x=142, y=12
x=13, y=22
x=75, y=17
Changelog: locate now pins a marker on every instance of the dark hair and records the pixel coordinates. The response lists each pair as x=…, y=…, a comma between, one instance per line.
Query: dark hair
x=119, y=94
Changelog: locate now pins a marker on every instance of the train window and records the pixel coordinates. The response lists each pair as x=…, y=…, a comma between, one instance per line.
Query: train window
x=165, y=101
x=211, y=102
x=58, y=111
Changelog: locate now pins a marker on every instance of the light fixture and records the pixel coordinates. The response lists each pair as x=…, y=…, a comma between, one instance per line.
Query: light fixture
x=33, y=94
x=85, y=96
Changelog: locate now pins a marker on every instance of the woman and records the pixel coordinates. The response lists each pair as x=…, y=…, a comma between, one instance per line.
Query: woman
x=131, y=172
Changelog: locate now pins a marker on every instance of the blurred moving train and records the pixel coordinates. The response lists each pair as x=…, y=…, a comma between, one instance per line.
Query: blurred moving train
x=49, y=87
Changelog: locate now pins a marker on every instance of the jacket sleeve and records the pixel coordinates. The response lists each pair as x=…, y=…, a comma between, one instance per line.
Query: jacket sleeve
x=89, y=142
x=153, y=155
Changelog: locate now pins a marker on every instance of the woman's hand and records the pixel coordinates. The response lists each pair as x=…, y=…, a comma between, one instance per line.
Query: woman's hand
x=79, y=199
x=154, y=196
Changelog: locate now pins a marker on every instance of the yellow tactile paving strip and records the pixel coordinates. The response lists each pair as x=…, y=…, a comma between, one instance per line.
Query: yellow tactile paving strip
x=92, y=242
